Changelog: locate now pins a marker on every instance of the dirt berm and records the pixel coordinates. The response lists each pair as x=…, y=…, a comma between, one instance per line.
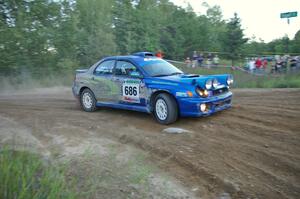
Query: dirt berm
x=249, y=151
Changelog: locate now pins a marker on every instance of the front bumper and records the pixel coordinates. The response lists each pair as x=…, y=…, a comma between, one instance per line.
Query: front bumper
x=190, y=107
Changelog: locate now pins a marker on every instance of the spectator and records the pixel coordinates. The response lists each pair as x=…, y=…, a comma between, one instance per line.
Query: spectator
x=200, y=60
x=293, y=63
x=209, y=60
x=265, y=64
x=258, y=63
x=252, y=65
x=195, y=59
x=284, y=63
x=188, y=62
x=216, y=60
x=298, y=61
x=159, y=54
x=278, y=65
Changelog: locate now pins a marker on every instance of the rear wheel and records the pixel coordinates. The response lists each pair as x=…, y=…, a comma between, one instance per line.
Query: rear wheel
x=87, y=100
x=165, y=109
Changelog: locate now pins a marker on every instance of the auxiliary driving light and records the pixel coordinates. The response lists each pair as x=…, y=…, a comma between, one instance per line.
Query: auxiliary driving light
x=201, y=92
x=229, y=80
x=208, y=84
x=202, y=107
x=215, y=83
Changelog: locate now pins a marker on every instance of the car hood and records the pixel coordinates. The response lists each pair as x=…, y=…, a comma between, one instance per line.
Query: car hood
x=195, y=79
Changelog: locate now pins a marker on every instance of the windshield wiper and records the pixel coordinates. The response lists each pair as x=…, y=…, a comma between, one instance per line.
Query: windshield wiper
x=176, y=73
x=161, y=75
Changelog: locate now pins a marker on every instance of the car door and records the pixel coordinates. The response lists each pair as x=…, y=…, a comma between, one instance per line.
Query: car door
x=103, y=86
x=130, y=82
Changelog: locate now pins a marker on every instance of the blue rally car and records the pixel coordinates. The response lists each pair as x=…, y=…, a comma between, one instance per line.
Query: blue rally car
x=143, y=82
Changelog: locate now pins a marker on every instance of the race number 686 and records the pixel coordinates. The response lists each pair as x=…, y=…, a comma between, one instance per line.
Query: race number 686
x=131, y=90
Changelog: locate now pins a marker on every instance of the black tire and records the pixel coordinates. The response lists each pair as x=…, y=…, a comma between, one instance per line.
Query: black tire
x=171, y=107
x=92, y=105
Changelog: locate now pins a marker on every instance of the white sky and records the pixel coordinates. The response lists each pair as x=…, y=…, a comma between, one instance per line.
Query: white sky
x=259, y=17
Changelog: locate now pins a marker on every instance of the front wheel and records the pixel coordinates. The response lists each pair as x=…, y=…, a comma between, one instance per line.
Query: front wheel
x=87, y=100
x=165, y=109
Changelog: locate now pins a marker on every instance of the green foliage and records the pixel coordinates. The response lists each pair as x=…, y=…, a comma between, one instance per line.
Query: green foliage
x=94, y=30
x=233, y=38
x=25, y=175
x=278, y=46
x=45, y=37
x=123, y=20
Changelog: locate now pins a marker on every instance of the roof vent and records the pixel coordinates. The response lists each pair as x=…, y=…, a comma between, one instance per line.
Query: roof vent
x=144, y=54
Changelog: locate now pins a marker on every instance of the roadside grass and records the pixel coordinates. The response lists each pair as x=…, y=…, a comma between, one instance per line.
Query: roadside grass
x=25, y=175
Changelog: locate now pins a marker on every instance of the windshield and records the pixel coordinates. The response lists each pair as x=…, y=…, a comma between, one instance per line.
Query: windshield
x=161, y=68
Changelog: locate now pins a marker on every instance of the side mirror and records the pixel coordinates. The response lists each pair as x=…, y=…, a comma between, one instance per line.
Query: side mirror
x=135, y=74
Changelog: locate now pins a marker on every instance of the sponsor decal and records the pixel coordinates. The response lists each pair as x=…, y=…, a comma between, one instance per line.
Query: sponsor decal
x=165, y=83
x=131, y=90
x=181, y=94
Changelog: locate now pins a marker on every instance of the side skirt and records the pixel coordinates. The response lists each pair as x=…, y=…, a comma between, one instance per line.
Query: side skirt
x=123, y=106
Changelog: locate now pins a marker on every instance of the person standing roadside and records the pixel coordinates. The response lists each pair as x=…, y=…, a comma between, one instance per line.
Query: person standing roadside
x=258, y=63
x=293, y=63
x=216, y=60
x=298, y=62
x=252, y=65
x=264, y=64
x=200, y=59
x=188, y=62
x=209, y=60
x=195, y=59
x=159, y=54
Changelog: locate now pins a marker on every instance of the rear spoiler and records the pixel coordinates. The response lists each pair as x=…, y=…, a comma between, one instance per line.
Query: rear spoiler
x=81, y=70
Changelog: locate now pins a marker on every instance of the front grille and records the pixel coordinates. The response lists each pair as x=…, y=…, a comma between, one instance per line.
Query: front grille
x=220, y=91
x=226, y=102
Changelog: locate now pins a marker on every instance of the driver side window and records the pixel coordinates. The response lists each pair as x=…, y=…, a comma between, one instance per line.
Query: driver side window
x=124, y=68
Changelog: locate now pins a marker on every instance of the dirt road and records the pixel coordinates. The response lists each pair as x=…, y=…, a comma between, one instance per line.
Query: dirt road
x=249, y=151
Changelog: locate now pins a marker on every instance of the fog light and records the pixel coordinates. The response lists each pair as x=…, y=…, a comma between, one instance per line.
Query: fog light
x=202, y=107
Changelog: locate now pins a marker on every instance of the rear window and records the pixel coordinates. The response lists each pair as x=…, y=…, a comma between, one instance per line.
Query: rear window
x=105, y=67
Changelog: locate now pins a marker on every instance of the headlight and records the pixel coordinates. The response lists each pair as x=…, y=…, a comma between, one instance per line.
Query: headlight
x=215, y=83
x=201, y=92
x=229, y=80
x=208, y=84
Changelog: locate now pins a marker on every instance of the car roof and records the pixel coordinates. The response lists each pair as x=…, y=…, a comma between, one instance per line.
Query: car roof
x=138, y=58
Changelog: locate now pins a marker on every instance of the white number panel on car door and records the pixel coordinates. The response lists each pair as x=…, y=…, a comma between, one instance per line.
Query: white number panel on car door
x=131, y=90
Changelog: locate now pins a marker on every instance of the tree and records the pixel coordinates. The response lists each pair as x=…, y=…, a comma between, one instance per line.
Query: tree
x=124, y=26
x=94, y=34
x=25, y=35
x=234, y=38
x=65, y=43
x=55, y=36
x=216, y=28
x=147, y=19
x=296, y=43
